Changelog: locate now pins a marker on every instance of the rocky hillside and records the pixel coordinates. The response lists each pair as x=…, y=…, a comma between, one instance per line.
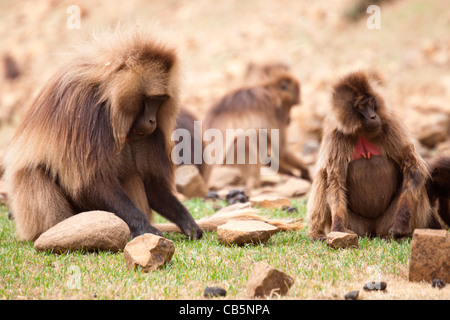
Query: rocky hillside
x=216, y=41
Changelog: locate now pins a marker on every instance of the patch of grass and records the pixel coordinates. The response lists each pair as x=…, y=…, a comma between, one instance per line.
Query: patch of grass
x=319, y=272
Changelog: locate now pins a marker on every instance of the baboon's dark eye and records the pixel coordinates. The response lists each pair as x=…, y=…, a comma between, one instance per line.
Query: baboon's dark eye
x=284, y=85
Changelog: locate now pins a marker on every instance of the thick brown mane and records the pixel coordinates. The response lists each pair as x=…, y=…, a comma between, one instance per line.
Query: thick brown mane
x=97, y=137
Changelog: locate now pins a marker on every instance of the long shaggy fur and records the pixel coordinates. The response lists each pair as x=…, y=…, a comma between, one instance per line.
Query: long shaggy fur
x=328, y=199
x=76, y=129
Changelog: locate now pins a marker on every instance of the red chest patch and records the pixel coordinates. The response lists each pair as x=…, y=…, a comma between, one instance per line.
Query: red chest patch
x=365, y=149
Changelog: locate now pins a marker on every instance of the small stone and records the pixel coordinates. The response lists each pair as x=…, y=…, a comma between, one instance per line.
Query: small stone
x=430, y=255
x=293, y=187
x=189, y=182
x=266, y=280
x=438, y=283
x=240, y=232
x=375, y=285
x=223, y=176
x=212, y=292
x=148, y=252
x=270, y=202
x=88, y=231
x=336, y=239
x=352, y=295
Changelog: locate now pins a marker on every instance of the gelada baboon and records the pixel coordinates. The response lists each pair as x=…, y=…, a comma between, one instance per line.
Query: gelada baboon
x=438, y=186
x=97, y=137
x=370, y=180
x=259, y=72
x=186, y=120
x=266, y=106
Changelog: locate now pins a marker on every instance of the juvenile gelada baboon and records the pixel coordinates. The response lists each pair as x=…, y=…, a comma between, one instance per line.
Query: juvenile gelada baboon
x=97, y=137
x=260, y=72
x=186, y=120
x=370, y=180
x=438, y=186
x=261, y=107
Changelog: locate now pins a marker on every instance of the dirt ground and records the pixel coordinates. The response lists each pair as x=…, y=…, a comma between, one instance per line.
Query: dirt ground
x=216, y=40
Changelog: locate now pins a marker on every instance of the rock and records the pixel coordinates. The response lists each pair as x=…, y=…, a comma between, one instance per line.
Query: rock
x=189, y=181
x=375, y=285
x=222, y=176
x=293, y=187
x=271, y=202
x=352, y=295
x=432, y=128
x=288, y=188
x=88, y=231
x=265, y=280
x=342, y=240
x=212, y=292
x=438, y=283
x=148, y=252
x=430, y=255
x=240, y=232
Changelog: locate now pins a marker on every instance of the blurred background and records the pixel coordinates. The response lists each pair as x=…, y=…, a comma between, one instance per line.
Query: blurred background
x=217, y=40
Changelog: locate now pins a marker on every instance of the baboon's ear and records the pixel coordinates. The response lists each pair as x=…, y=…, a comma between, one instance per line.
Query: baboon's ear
x=342, y=94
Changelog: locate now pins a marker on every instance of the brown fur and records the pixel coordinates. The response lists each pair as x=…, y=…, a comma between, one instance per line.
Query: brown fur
x=258, y=73
x=438, y=186
x=70, y=153
x=381, y=196
x=186, y=121
x=264, y=106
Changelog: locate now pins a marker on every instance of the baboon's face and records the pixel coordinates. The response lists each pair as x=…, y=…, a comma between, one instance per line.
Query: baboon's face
x=290, y=88
x=146, y=123
x=366, y=107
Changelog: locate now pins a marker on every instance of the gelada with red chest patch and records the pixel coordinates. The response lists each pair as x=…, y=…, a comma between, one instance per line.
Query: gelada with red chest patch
x=370, y=180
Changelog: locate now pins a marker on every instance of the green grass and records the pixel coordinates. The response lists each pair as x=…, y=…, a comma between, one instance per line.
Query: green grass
x=319, y=272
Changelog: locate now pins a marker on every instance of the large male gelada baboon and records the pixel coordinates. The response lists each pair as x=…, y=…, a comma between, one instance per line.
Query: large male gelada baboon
x=97, y=137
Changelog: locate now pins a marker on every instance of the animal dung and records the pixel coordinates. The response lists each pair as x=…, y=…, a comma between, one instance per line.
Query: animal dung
x=375, y=286
x=213, y=292
x=352, y=295
x=236, y=196
x=438, y=283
